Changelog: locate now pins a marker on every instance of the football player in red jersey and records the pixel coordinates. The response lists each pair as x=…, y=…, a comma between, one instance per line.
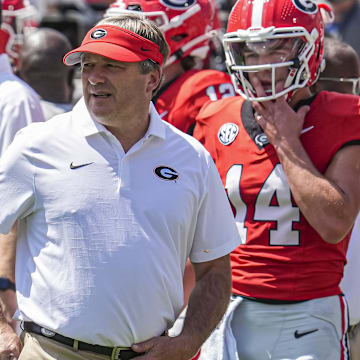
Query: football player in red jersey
x=188, y=26
x=290, y=163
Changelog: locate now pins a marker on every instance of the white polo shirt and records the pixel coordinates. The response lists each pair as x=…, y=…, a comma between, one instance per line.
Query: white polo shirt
x=104, y=235
x=19, y=104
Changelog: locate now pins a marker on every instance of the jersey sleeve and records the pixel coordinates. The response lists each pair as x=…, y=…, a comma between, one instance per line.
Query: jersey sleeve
x=16, y=183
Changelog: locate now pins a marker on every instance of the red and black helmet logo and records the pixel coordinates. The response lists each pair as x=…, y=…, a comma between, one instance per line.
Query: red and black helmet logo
x=178, y=4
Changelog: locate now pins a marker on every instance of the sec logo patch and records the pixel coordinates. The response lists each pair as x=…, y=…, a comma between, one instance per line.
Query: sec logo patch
x=227, y=133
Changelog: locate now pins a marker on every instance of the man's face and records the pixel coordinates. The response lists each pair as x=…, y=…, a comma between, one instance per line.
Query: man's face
x=111, y=88
x=275, y=51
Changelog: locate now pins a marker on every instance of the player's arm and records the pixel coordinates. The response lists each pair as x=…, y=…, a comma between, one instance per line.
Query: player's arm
x=330, y=202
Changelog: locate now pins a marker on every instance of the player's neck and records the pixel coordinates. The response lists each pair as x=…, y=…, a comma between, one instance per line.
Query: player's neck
x=299, y=95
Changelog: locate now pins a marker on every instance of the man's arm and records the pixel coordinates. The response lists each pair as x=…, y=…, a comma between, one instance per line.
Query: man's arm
x=207, y=305
x=7, y=270
x=9, y=341
x=10, y=344
x=209, y=299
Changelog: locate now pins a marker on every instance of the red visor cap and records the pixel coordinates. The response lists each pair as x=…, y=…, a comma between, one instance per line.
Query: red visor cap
x=117, y=44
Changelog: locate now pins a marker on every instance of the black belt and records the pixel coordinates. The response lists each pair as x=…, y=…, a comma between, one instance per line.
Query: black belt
x=117, y=353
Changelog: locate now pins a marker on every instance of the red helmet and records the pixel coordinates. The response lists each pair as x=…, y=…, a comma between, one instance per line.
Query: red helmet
x=17, y=17
x=270, y=23
x=187, y=24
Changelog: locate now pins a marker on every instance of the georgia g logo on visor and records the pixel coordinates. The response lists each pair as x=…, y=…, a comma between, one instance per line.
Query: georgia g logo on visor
x=178, y=4
x=306, y=6
x=98, y=34
x=166, y=173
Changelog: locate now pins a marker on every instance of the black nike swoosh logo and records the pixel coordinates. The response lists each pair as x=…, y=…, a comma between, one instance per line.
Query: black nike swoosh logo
x=72, y=166
x=144, y=49
x=298, y=334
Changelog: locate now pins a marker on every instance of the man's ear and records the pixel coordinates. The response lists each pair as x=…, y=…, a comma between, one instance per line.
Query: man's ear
x=154, y=80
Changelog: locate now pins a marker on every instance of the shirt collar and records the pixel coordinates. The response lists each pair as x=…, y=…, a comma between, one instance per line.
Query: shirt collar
x=5, y=66
x=156, y=126
x=90, y=127
x=83, y=119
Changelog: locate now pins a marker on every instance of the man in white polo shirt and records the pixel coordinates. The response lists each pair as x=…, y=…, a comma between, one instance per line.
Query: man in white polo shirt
x=110, y=202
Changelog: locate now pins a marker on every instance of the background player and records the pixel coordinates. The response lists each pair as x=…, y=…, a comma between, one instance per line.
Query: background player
x=290, y=163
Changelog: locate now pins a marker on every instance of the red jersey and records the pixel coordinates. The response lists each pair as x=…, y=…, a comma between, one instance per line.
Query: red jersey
x=180, y=102
x=281, y=257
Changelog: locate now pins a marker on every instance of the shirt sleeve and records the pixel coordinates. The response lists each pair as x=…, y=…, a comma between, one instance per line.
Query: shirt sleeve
x=16, y=183
x=216, y=234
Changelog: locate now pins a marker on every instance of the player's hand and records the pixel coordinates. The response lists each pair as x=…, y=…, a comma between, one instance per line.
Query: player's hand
x=10, y=344
x=276, y=117
x=165, y=348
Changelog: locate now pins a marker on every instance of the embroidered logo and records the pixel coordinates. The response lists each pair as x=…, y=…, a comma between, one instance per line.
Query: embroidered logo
x=228, y=133
x=98, y=34
x=72, y=166
x=261, y=140
x=166, y=173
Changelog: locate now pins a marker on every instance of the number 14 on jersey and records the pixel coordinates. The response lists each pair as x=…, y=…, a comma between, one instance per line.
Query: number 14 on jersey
x=284, y=213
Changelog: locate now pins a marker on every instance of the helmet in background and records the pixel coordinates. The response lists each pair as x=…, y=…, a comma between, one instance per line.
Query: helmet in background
x=18, y=16
x=188, y=25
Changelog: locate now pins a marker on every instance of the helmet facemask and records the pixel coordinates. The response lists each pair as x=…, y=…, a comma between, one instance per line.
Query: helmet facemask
x=247, y=52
